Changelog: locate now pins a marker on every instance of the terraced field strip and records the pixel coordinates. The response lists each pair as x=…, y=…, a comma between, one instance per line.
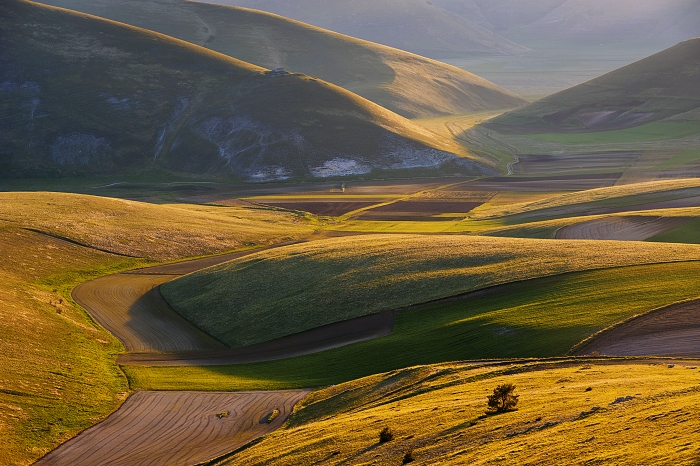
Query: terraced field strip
x=318, y=339
x=176, y=428
x=621, y=228
x=670, y=331
x=130, y=306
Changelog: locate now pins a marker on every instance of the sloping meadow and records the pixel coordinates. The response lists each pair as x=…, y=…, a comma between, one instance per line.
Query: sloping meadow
x=284, y=291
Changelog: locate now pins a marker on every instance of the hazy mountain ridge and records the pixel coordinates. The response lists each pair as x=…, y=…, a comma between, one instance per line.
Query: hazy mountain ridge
x=660, y=87
x=417, y=26
x=84, y=95
x=410, y=85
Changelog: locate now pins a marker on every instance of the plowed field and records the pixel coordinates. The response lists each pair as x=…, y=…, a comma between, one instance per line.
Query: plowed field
x=176, y=428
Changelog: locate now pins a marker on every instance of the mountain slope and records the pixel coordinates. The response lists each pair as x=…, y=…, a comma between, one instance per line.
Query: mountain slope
x=86, y=95
x=418, y=26
x=656, y=88
x=410, y=85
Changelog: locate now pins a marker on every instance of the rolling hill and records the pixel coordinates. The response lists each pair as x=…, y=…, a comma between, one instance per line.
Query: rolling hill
x=83, y=95
x=418, y=26
x=57, y=369
x=660, y=87
x=410, y=85
x=300, y=287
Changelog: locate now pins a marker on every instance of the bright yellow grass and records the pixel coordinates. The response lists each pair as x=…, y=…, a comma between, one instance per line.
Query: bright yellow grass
x=431, y=410
x=159, y=232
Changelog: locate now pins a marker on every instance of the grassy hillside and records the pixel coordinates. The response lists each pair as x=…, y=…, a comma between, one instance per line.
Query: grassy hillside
x=85, y=95
x=164, y=231
x=414, y=25
x=438, y=412
x=275, y=293
x=653, y=89
x=57, y=372
x=410, y=85
x=535, y=318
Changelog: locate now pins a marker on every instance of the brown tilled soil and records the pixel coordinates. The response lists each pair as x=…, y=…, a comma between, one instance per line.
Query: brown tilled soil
x=569, y=165
x=327, y=208
x=130, y=306
x=671, y=331
x=176, y=428
x=132, y=309
x=621, y=228
x=311, y=341
x=553, y=183
x=429, y=207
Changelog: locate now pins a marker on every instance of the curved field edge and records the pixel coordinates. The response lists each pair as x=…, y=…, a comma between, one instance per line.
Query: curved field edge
x=288, y=290
x=537, y=318
x=548, y=229
x=57, y=366
x=614, y=195
x=566, y=410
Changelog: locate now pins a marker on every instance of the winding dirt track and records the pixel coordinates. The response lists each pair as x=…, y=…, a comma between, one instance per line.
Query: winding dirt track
x=176, y=428
x=621, y=228
x=130, y=306
x=670, y=331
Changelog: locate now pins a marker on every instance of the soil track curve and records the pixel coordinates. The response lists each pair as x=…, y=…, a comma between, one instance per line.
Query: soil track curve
x=671, y=331
x=176, y=428
x=621, y=228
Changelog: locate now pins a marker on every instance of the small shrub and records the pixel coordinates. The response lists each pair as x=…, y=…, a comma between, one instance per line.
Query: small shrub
x=503, y=399
x=271, y=417
x=386, y=435
x=408, y=457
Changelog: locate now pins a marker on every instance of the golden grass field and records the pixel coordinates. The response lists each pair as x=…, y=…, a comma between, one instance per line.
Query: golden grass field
x=57, y=371
x=565, y=415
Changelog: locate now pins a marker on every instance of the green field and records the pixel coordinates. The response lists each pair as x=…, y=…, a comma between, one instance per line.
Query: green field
x=284, y=291
x=535, y=318
x=682, y=158
x=658, y=131
x=688, y=233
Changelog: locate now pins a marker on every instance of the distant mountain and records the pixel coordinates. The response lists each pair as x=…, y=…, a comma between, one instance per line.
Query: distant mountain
x=418, y=26
x=410, y=85
x=663, y=86
x=79, y=94
x=664, y=22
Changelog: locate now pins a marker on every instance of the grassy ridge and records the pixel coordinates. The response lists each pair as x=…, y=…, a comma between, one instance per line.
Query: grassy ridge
x=57, y=372
x=407, y=84
x=636, y=94
x=537, y=318
x=412, y=25
x=437, y=411
x=285, y=291
x=86, y=95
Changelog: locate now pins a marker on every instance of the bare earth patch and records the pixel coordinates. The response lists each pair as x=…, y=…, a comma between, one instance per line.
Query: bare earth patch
x=621, y=228
x=671, y=331
x=177, y=428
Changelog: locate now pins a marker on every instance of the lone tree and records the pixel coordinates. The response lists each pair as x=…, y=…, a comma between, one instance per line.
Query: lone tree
x=503, y=399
